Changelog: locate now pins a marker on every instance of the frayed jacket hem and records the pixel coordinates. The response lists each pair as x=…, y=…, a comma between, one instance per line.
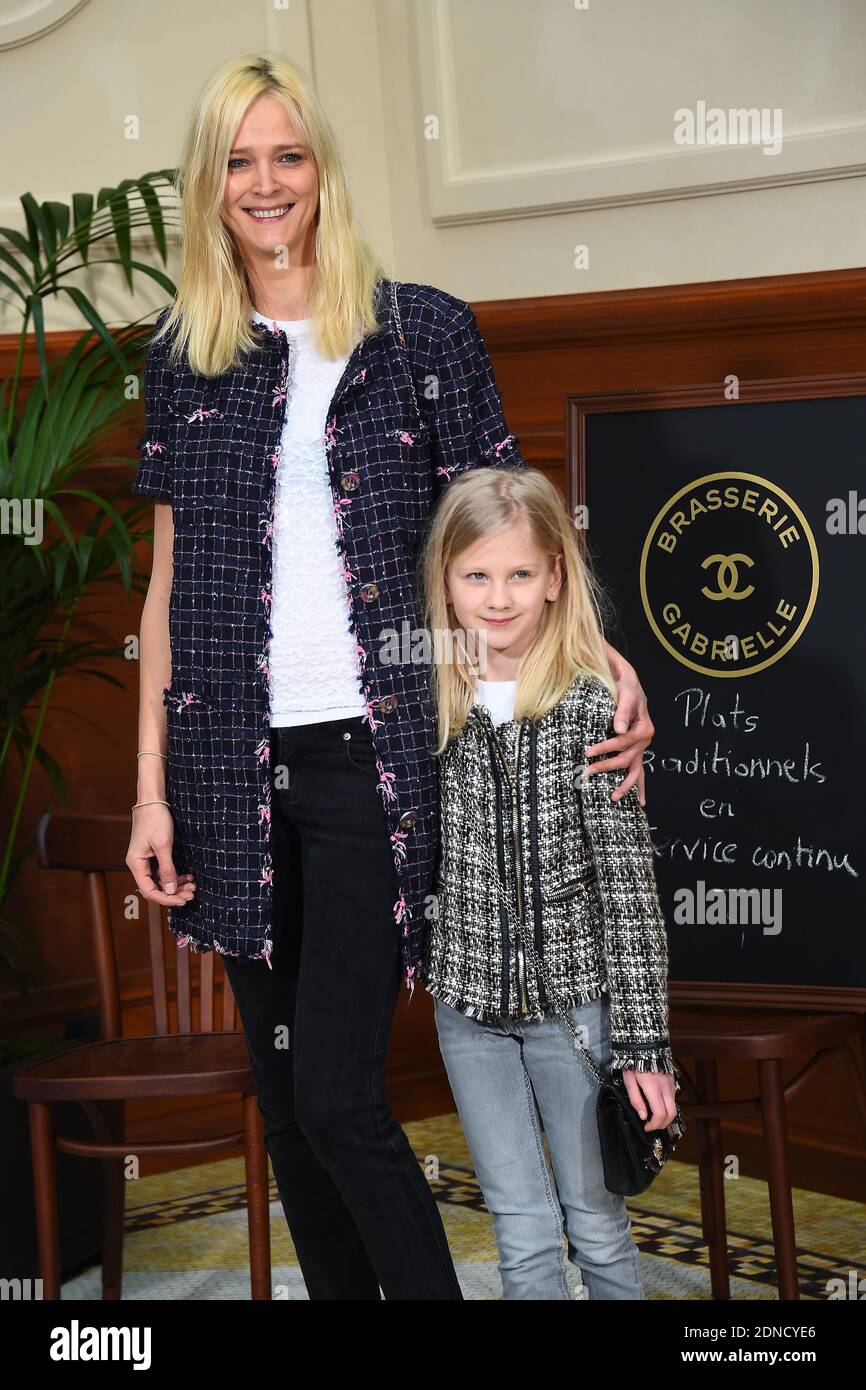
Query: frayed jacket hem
x=486, y=1015
x=257, y=949
x=626, y=1058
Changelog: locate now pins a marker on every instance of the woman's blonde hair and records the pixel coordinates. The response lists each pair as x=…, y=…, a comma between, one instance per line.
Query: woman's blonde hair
x=210, y=313
x=569, y=641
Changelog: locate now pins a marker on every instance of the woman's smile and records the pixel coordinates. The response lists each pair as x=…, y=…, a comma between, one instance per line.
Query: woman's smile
x=269, y=214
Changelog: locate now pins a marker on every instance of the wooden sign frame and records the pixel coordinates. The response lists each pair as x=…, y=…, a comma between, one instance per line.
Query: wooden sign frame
x=578, y=409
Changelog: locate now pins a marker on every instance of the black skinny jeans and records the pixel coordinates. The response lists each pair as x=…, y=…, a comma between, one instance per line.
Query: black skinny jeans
x=360, y=1211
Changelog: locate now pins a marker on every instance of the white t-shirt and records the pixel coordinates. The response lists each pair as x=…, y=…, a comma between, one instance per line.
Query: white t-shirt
x=314, y=672
x=497, y=697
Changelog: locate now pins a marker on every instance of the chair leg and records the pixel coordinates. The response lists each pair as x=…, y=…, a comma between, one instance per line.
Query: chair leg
x=712, y=1183
x=45, y=1195
x=113, y=1206
x=258, y=1214
x=781, y=1205
x=859, y=1088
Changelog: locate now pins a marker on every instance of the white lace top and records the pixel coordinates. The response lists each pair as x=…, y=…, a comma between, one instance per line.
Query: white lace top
x=497, y=698
x=314, y=673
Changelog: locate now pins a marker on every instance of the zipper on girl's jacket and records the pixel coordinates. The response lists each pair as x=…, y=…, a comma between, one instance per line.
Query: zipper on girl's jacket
x=518, y=860
x=518, y=871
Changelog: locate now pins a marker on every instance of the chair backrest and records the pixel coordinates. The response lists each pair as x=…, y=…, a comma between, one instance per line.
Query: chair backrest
x=96, y=846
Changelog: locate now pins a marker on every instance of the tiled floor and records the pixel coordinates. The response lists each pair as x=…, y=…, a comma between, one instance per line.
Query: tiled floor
x=187, y=1233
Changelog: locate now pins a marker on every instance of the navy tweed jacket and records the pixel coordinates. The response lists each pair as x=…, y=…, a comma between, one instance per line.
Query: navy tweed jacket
x=416, y=405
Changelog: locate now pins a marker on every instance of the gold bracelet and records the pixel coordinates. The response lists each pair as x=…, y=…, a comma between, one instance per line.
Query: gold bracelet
x=146, y=753
x=149, y=803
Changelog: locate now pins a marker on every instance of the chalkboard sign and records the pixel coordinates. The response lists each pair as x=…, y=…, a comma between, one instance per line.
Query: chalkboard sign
x=731, y=538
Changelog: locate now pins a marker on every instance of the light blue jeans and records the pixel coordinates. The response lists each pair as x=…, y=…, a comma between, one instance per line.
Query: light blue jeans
x=502, y=1075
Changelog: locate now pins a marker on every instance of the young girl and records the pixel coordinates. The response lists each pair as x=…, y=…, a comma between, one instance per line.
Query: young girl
x=545, y=886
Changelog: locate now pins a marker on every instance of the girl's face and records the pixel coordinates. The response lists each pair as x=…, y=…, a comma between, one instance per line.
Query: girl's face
x=271, y=169
x=499, y=585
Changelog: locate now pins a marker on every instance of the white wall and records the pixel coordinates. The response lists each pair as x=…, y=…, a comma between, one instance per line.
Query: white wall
x=554, y=127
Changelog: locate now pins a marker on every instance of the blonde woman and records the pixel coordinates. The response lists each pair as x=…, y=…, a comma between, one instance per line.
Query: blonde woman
x=547, y=899
x=286, y=811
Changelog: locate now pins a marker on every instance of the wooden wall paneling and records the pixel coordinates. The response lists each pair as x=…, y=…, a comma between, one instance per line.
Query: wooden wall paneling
x=543, y=350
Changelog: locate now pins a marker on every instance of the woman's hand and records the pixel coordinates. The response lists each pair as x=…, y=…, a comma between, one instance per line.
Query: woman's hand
x=634, y=730
x=152, y=838
x=658, y=1098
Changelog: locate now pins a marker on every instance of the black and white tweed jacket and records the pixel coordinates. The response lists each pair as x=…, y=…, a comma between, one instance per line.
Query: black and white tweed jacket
x=573, y=867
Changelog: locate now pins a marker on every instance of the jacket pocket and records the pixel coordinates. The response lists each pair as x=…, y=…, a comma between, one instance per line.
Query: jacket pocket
x=180, y=701
x=397, y=439
x=570, y=889
x=191, y=767
x=223, y=695
x=220, y=481
x=213, y=782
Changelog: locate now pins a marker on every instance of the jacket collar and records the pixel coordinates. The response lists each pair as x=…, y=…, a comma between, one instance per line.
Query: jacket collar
x=478, y=713
x=381, y=299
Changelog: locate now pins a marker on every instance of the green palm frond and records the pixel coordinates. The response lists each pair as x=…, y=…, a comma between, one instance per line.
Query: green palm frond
x=63, y=540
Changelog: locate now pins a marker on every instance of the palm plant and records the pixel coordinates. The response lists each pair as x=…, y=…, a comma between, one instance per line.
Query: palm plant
x=47, y=441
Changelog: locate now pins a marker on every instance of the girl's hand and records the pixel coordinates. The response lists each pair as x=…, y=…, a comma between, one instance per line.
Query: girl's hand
x=658, y=1098
x=634, y=729
x=152, y=838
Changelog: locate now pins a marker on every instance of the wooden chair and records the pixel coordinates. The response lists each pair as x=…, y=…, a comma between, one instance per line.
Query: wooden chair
x=768, y=1038
x=103, y=1075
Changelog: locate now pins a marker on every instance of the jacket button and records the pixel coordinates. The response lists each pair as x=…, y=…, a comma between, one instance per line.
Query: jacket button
x=350, y=481
x=387, y=704
x=408, y=820
x=369, y=592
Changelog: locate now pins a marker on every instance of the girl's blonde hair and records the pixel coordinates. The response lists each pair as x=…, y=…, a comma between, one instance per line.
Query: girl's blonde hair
x=569, y=641
x=212, y=307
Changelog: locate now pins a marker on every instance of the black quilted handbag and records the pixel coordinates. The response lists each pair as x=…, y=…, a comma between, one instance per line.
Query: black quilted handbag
x=631, y=1156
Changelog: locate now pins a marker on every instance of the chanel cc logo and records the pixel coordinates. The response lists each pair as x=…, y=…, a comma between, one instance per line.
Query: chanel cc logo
x=742, y=537
x=727, y=578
